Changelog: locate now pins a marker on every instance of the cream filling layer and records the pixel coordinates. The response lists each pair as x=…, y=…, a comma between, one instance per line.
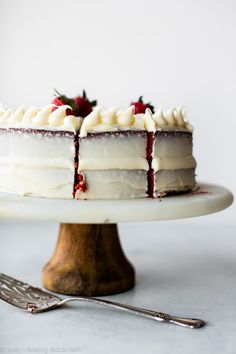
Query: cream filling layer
x=137, y=163
x=173, y=163
x=37, y=163
x=126, y=163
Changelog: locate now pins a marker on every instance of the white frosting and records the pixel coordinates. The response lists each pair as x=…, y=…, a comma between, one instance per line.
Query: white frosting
x=148, y=121
x=113, y=152
x=173, y=163
x=114, y=184
x=5, y=114
x=172, y=152
x=126, y=163
x=29, y=181
x=16, y=116
x=172, y=119
x=174, y=180
x=99, y=120
x=114, y=119
x=37, y=150
x=29, y=114
x=36, y=118
x=36, y=164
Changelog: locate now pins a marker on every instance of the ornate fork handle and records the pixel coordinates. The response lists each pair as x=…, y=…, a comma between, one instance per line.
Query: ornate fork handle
x=159, y=316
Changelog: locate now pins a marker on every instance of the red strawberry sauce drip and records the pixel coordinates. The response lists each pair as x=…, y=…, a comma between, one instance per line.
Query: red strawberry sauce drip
x=150, y=142
x=81, y=185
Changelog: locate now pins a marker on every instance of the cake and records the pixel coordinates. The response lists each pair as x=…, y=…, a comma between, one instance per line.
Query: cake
x=114, y=153
x=173, y=165
x=38, y=151
x=128, y=155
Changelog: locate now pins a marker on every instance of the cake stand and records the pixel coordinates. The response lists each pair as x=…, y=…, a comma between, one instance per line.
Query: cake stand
x=88, y=259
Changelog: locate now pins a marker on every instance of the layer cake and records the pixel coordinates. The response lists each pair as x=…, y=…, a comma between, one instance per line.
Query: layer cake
x=37, y=151
x=173, y=164
x=112, y=153
x=128, y=155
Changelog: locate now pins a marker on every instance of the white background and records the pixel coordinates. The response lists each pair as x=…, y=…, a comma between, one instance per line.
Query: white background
x=171, y=52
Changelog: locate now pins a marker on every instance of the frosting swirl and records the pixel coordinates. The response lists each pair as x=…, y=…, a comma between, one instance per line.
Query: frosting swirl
x=99, y=120
x=172, y=119
x=47, y=118
x=114, y=119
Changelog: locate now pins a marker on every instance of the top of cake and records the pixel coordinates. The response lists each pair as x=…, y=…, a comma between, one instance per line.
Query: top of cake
x=119, y=119
x=113, y=119
x=79, y=113
x=172, y=119
x=50, y=117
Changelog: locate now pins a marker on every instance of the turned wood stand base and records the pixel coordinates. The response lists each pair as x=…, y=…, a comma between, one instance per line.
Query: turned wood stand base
x=88, y=260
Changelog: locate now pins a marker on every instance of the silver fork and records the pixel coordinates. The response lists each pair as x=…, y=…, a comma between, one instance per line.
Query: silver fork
x=36, y=300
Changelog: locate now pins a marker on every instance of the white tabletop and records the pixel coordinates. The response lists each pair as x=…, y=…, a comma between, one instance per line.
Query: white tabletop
x=207, y=199
x=185, y=267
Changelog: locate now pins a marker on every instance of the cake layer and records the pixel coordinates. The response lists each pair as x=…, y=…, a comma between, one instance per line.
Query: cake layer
x=173, y=150
x=29, y=147
x=113, y=150
x=37, y=162
x=114, y=184
x=40, y=182
x=174, y=181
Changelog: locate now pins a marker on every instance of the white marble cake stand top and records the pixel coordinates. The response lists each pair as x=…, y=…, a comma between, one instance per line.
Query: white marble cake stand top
x=207, y=199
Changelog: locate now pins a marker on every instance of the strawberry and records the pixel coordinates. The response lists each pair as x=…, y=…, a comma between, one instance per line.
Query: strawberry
x=84, y=105
x=140, y=106
x=80, y=105
x=58, y=102
x=61, y=100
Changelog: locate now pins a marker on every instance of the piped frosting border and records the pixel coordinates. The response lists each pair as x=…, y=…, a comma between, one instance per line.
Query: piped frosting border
x=47, y=118
x=99, y=120
x=115, y=119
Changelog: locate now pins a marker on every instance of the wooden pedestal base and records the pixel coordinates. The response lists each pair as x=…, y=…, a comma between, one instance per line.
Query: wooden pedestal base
x=88, y=261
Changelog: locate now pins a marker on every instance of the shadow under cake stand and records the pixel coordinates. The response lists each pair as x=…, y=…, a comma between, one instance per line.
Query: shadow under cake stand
x=88, y=259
